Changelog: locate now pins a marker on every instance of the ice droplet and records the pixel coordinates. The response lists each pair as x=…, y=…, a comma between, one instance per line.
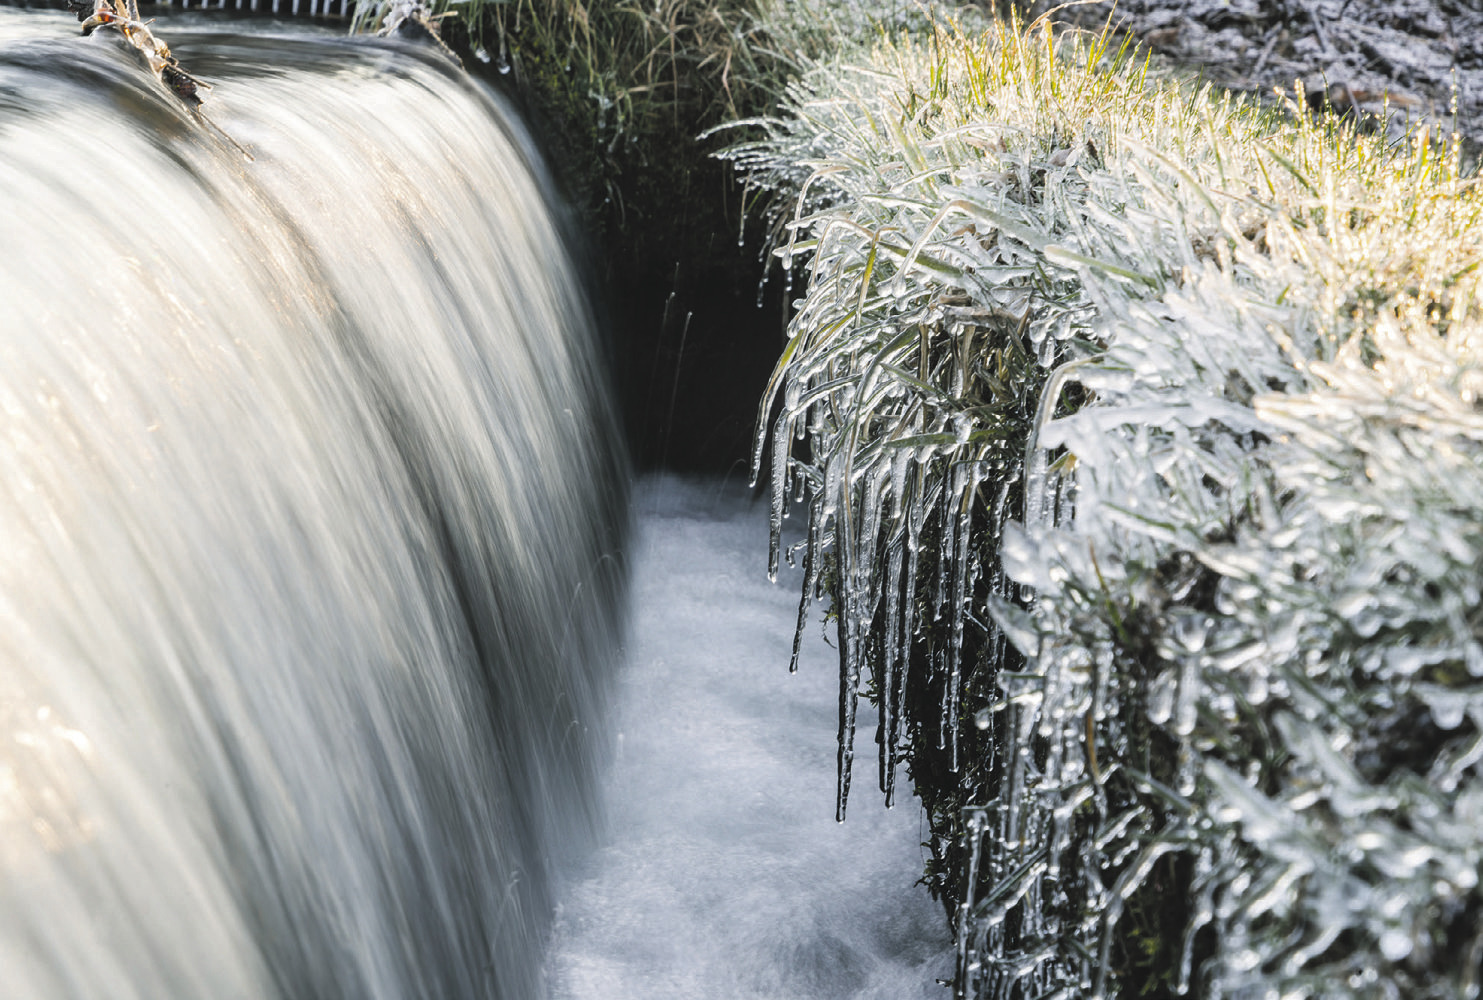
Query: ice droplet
x=1395, y=944
x=1447, y=708
x=1190, y=632
x=1161, y=699
x=1021, y=558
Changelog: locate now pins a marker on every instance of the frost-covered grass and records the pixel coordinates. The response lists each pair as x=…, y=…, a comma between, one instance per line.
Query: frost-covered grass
x=628, y=85
x=1143, y=461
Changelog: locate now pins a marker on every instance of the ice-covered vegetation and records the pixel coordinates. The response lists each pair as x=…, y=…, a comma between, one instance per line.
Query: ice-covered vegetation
x=629, y=84
x=1138, y=434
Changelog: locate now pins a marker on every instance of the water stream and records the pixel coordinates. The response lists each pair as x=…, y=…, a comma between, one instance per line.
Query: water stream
x=723, y=872
x=309, y=498
x=310, y=587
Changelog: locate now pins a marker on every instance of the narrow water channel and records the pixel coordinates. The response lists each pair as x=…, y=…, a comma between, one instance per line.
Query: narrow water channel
x=723, y=873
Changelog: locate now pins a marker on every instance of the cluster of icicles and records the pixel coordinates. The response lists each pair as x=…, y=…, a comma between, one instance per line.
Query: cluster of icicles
x=1209, y=643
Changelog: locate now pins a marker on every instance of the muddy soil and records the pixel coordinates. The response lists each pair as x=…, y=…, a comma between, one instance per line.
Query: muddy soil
x=1417, y=60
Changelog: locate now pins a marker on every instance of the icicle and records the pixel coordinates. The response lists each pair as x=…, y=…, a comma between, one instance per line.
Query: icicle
x=949, y=523
x=779, y=484
x=897, y=647
x=995, y=527
x=890, y=658
x=1052, y=707
x=868, y=544
x=965, y=486
x=810, y=579
x=848, y=701
x=939, y=670
x=1185, y=704
x=1019, y=741
x=1035, y=488
x=1201, y=913
x=974, y=821
x=900, y=469
x=908, y=625
x=837, y=491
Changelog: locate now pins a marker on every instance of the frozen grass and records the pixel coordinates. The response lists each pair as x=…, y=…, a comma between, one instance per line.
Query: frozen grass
x=621, y=88
x=1143, y=463
x=630, y=84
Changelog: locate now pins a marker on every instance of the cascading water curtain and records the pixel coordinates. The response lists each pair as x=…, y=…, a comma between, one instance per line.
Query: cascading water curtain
x=311, y=493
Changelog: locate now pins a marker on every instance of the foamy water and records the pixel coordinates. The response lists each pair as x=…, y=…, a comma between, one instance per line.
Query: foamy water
x=724, y=873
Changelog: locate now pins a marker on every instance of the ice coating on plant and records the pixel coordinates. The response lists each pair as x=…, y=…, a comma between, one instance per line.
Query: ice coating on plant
x=1279, y=476
x=1222, y=365
x=944, y=285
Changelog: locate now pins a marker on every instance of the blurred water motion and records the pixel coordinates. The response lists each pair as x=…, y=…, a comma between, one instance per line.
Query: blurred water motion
x=308, y=493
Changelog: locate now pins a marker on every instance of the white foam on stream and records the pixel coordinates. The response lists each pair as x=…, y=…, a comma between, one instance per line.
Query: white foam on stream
x=724, y=874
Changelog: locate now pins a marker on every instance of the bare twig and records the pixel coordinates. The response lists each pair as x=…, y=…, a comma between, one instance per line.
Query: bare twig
x=123, y=17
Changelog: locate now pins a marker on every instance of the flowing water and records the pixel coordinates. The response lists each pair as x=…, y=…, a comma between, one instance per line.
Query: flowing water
x=308, y=497
x=724, y=873
x=310, y=501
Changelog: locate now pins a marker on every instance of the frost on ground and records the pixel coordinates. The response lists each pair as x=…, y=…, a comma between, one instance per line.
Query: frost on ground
x=1415, y=59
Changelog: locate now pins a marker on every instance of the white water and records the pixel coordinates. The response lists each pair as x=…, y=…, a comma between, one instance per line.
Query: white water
x=724, y=874
x=308, y=497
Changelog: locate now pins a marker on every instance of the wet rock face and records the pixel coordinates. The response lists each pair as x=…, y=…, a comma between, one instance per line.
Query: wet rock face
x=1413, y=56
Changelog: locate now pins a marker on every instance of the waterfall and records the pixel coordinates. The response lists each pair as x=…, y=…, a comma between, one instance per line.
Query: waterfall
x=309, y=489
